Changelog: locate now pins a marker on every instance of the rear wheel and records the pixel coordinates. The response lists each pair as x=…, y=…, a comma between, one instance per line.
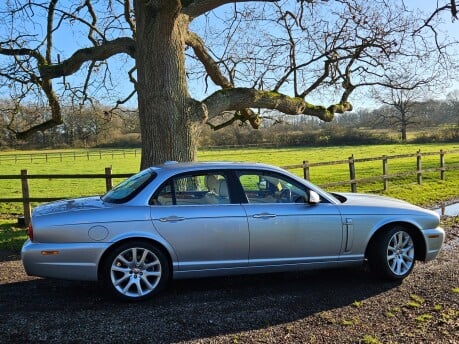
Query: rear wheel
x=135, y=270
x=391, y=253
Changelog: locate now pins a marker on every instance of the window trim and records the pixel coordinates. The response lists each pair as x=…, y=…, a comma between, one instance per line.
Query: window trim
x=171, y=181
x=239, y=172
x=134, y=193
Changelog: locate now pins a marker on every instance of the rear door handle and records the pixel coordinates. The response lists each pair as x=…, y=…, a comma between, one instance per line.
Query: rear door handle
x=171, y=219
x=264, y=216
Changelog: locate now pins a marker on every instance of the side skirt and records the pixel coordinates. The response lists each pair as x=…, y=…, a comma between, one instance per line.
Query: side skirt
x=266, y=269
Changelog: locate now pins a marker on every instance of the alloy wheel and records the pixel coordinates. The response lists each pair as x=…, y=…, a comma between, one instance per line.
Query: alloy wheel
x=400, y=253
x=135, y=272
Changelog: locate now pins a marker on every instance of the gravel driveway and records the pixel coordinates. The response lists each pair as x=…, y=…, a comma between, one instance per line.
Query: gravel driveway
x=334, y=306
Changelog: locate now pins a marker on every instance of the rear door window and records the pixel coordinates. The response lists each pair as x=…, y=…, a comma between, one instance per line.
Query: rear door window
x=194, y=189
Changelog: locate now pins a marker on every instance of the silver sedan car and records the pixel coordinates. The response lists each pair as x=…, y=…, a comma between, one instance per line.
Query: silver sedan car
x=186, y=220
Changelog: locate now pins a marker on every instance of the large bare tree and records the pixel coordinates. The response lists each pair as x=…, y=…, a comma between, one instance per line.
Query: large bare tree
x=403, y=90
x=400, y=112
x=244, y=56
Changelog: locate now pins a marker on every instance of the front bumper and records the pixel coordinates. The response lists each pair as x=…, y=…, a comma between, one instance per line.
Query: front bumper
x=74, y=261
x=434, y=239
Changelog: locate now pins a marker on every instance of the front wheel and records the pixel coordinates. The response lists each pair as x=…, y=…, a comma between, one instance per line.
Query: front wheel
x=135, y=271
x=391, y=253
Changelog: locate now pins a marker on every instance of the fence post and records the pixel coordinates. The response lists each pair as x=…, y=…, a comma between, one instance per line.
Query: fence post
x=25, y=197
x=385, y=169
x=442, y=164
x=419, y=166
x=306, y=170
x=352, y=173
x=108, y=178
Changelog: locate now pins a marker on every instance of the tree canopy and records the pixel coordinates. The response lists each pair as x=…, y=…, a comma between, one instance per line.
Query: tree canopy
x=193, y=63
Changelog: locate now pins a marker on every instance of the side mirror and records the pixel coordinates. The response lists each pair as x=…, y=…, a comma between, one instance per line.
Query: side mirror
x=314, y=198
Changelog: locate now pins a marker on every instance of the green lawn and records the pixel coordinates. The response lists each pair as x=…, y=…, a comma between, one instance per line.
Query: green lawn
x=11, y=237
x=432, y=191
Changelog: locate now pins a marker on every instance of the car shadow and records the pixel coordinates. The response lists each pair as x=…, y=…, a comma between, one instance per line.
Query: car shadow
x=187, y=310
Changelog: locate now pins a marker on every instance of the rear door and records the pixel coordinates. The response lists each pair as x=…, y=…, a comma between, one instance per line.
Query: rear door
x=194, y=213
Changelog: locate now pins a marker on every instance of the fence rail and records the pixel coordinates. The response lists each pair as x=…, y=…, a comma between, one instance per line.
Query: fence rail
x=26, y=199
x=88, y=155
x=385, y=177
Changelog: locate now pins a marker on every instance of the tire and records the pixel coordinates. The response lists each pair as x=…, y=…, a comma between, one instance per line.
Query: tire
x=391, y=254
x=135, y=271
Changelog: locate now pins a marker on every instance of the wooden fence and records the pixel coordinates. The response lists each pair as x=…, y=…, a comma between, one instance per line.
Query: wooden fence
x=87, y=155
x=25, y=177
x=306, y=166
x=385, y=176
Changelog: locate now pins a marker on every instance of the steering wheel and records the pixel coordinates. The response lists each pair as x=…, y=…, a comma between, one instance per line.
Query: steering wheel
x=285, y=196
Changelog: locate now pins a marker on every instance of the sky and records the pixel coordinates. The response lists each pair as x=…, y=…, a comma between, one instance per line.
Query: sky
x=450, y=25
x=68, y=44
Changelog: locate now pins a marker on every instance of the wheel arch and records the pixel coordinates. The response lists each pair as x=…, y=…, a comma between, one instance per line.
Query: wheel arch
x=147, y=240
x=418, y=239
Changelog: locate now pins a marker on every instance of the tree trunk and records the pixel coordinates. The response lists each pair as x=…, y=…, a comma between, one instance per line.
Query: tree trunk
x=403, y=132
x=403, y=126
x=167, y=129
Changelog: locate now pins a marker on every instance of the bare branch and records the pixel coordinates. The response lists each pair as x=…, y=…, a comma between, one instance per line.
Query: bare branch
x=23, y=52
x=49, y=30
x=451, y=7
x=56, y=117
x=92, y=27
x=72, y=16
x=242, y=98
x=98, y=53
x=199, y=7
x=211, y=67
x=128, y=16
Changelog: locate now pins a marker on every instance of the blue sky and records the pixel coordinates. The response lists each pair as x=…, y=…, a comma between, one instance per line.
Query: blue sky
x=68, y=43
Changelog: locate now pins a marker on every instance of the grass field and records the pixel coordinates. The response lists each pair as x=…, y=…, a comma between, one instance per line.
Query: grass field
x=432, y=191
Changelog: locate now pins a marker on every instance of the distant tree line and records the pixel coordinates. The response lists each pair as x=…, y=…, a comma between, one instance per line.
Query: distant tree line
x=83, y=127
x=98, y=126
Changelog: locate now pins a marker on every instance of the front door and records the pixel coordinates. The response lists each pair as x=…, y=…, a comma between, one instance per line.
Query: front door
x=283, y=228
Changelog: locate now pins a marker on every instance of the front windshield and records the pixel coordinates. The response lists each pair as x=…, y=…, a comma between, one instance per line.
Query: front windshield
x=127, y=189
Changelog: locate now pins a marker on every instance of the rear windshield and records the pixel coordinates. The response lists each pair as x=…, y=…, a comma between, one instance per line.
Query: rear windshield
x=127, y=189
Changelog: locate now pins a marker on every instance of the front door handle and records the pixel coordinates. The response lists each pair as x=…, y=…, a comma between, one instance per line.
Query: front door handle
x=264, y=216
x=171, y=219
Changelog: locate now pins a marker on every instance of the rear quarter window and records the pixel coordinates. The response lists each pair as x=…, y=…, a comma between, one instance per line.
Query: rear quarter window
x=130, y=187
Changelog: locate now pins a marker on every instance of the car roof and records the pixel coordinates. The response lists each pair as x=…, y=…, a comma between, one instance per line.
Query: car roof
x=177, y=166
x=172, y=168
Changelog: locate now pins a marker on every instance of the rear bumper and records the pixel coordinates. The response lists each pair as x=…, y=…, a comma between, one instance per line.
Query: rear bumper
x=73, y=261
x=434, y=239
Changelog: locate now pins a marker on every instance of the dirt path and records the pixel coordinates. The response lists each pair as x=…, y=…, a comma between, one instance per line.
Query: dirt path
x=334, y=306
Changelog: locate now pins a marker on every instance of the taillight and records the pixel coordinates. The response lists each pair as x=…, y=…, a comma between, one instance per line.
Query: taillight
x=30, y=232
